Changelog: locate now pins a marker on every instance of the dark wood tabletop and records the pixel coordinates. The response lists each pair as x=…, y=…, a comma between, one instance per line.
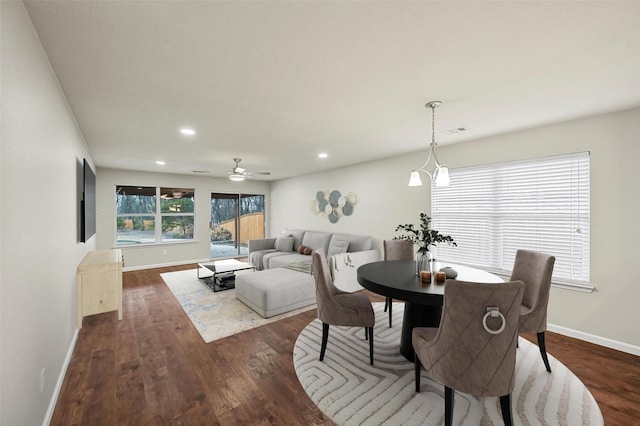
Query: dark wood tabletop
x=398, y=279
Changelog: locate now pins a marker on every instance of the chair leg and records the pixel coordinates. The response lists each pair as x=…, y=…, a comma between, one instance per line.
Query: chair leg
x=543, y=351
x=325, y=336
x=386, y=303
x=370, y=345
x=418, y=364
x=390, y=308
x=366, y=333
x=449, y=395
x=505, y=407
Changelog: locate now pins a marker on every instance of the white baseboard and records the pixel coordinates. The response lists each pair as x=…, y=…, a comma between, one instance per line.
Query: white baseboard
x=164, y=265
x=591, y=338
x=63, y=372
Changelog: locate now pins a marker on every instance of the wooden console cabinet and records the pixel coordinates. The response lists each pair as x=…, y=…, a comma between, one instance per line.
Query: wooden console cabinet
x=100, y=283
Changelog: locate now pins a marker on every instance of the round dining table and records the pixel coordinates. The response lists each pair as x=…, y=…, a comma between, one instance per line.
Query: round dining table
x=423, y=300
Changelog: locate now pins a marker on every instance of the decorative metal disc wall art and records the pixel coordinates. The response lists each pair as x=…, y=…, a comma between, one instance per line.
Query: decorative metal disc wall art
x=334, y=205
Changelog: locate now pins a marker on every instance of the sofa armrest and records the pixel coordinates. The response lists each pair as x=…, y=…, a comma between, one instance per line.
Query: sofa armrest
x=262, y=244
x=344, y=268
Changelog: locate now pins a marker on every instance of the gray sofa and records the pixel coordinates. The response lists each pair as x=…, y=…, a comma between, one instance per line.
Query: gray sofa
x=282, y=251
x=283, y=281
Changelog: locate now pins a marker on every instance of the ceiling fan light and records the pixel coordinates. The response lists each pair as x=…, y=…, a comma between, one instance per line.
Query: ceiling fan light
x=415, y=180
x=236, y=177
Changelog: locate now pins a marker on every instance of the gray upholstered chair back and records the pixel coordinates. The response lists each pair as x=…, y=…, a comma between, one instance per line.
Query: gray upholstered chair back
x=325, y=290
x=337, y=307
x=398, y=250
x=463, y=355
x=535, y=270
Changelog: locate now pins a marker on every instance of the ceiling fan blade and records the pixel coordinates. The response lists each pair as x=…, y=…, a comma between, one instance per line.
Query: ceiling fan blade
x=258, y=173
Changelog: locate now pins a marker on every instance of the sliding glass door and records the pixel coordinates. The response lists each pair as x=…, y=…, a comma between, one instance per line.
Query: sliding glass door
x=235, y=219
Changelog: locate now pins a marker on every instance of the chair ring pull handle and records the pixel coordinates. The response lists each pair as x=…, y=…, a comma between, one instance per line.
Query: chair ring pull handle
x=494, y=313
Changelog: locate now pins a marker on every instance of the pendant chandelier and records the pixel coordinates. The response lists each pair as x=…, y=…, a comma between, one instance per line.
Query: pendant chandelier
x=440, y=172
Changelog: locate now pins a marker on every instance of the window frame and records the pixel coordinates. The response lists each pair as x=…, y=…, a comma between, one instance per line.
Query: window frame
x=539, y=204
x=158, y=216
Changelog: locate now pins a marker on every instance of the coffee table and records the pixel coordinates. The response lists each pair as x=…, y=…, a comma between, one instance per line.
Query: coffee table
x=223, y=277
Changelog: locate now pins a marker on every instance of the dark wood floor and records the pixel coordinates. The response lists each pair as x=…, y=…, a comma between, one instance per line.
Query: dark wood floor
x=152, y=368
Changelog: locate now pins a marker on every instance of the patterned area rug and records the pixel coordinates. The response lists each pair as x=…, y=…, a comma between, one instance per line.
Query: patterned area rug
x=352, y=392
x=215, y=315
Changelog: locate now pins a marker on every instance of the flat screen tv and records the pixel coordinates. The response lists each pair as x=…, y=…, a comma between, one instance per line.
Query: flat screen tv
x=88, y=203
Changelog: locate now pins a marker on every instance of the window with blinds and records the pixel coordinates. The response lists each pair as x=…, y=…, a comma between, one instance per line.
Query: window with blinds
x=492, y=211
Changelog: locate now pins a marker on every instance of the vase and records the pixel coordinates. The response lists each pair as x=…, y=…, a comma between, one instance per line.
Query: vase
x=423, y=261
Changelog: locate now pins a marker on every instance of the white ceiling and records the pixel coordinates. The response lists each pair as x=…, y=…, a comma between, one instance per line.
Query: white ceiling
x=275, y=83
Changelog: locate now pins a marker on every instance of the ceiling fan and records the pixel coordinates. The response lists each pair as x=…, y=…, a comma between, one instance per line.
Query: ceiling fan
x=238, y=174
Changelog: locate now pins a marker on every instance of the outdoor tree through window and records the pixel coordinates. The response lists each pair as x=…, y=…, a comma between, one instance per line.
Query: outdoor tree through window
x=138, y=212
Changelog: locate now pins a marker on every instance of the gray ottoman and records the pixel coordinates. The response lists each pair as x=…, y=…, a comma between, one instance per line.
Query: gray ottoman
x=275, y=291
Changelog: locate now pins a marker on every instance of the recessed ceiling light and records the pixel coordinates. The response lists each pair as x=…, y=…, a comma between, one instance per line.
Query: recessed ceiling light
x=187, y=131
x=323, y=155
x=160, y=163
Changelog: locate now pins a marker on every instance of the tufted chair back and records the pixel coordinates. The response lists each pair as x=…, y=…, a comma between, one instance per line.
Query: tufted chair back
x=461, y=354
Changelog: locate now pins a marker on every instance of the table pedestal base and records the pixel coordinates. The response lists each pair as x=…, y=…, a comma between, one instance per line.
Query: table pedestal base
x=416, y=316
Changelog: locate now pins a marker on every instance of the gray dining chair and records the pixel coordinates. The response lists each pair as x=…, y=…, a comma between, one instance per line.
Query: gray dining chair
x=396, y=250
x=474, y=349
x=337, y=307
x=535, y=270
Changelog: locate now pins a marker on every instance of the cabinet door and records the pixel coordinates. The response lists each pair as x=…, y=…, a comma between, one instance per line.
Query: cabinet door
x=99, y=292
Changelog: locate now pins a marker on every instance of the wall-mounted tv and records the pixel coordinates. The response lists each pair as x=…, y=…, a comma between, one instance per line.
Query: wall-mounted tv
x=88, y=203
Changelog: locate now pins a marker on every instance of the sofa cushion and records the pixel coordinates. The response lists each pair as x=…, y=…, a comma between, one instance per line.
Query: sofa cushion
x=283, y=261
x=256, y=258
x=356, y=242
x=315, y=240
x=297, y=235
x=337, y=245
x=284, y=243
x=268, y=257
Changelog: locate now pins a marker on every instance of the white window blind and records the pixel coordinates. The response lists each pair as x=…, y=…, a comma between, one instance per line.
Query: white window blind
x=492, y=211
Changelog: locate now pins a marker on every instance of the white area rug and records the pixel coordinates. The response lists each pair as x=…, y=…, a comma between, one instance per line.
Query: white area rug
x=352, y=392
x=215, y=315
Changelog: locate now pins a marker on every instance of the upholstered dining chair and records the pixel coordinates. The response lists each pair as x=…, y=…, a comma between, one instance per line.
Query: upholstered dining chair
x=337, y=307
x=535, y=270
x=396, y=250
x=474, y=349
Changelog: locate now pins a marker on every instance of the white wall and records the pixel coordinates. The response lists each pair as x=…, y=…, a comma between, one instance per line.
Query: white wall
x=41, y=153
x=385, y=201
x=176, y=253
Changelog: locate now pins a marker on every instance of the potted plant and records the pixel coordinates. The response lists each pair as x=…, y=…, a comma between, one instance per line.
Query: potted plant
x=424, y=237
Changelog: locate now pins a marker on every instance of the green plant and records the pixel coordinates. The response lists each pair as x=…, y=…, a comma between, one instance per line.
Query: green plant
x=423, y=236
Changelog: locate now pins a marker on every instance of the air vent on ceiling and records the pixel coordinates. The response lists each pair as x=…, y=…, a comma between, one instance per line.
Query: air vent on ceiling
x=453, y=131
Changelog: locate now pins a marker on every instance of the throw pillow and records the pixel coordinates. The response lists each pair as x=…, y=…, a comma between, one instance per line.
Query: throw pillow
x=307, y=251
x=301, y=249
x=284, y=244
